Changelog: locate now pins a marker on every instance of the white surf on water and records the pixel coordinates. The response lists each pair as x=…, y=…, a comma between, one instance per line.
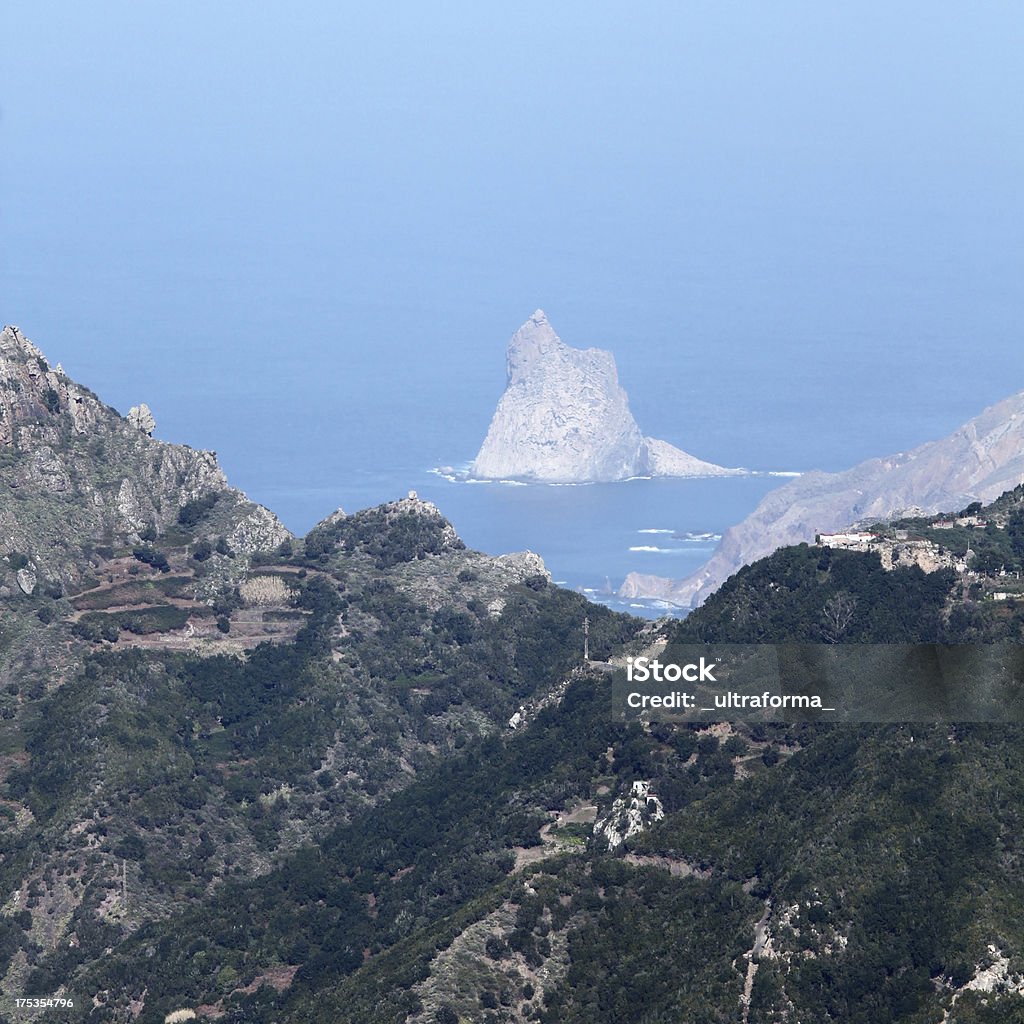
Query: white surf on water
x=652, y=550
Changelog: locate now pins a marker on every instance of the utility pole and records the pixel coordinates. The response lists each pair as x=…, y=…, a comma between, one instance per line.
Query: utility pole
x=586, y=639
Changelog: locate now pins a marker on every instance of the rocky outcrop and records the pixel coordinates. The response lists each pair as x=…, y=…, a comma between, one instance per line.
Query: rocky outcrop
x=33, y=394
x=978, y=462
x=564, y=419
x=522, y=565
x=83, y=475
x=659, y=458
x=255, y=529
x=629, y=815
x=413, y=505
x=26, y=581
x=141, y=418
x=647, y=585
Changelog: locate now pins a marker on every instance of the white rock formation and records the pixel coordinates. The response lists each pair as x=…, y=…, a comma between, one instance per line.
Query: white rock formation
x=664, y=459
x=564, y=419
x=335, y=517
x=978, y=462
x=141, y=418
x=27, y=580
x=630, y=815
x=996, y=979
x=523, y=564
x=45, y=472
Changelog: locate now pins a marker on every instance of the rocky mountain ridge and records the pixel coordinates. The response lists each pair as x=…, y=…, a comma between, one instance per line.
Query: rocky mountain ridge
x=79, y=475
x=564, y=418
x=977, y=462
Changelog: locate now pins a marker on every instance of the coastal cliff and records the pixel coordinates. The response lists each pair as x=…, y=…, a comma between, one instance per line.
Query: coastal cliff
x=977, y=462
x=564, y=418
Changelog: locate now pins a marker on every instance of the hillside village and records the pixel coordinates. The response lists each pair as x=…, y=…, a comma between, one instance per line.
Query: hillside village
x=984, y=546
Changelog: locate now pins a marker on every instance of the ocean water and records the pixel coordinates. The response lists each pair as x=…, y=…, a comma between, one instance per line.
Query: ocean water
x=590, y=536
x=304, y=239
x=323, y=378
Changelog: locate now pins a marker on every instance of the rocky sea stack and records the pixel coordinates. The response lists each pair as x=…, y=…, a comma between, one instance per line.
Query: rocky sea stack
x=564, y=419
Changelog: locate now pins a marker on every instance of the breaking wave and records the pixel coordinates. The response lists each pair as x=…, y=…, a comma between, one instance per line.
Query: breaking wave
x=651, y=549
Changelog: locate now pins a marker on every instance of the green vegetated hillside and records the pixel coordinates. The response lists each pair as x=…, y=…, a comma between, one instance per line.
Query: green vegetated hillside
x=260, y=778
x=149, y=778
x=972, y=591
x=190, y=695
x=798, y=873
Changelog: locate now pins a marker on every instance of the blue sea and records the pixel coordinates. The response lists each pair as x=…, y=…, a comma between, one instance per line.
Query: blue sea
x=590, y=536
x=305, y=237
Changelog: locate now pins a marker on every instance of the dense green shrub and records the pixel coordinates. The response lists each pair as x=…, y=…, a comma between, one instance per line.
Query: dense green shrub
x=151, y=556
x=191, y=512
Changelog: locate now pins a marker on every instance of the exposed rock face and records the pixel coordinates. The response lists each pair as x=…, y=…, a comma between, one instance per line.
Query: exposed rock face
x=130, y=508
x=256, y=529
x=630, y=815
x=44, y=470
x=564, y=419
x=141, y=418
x=659, y=458
x=978, y=462
x=522, y=565
x=81, y=473
x=647, y=585
x=26, y=581
x=31, y=393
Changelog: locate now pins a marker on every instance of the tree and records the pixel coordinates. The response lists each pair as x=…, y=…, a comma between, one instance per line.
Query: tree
x=837, y=615
x=1015, y=531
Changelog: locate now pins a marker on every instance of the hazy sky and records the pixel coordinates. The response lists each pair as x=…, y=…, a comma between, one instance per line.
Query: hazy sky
x=798, y=225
